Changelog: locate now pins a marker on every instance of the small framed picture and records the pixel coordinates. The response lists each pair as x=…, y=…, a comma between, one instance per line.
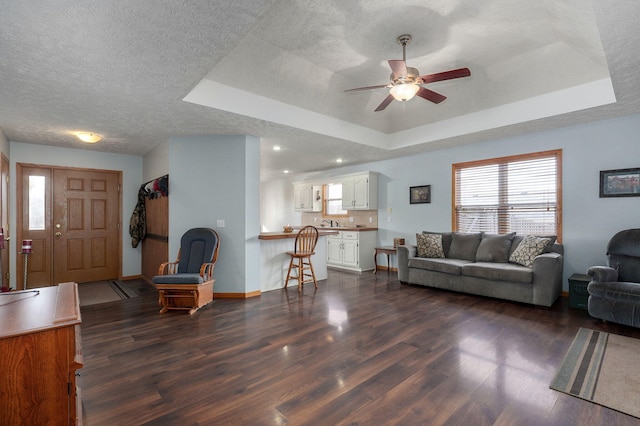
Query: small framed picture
x=620, y=183
x=420, y=194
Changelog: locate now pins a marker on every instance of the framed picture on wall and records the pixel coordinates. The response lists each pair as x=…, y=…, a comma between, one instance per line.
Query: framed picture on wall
x=620, y=183
x=420, y=194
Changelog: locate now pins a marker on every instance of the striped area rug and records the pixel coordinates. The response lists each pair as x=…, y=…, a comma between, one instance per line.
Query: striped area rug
x=603, y=368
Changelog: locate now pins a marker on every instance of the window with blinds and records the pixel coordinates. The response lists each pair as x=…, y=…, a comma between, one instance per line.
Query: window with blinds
x=519, y=194
x=333, y=200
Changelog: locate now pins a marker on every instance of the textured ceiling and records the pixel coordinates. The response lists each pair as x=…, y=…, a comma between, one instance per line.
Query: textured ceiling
x=122, y=69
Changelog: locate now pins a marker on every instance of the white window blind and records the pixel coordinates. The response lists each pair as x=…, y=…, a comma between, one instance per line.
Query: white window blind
x=510, y=194
x=333, y=200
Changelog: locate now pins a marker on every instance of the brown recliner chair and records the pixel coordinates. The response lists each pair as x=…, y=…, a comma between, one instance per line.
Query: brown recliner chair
x=614, y=290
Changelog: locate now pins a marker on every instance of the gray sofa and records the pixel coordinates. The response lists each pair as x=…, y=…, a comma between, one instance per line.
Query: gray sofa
x=485, y=264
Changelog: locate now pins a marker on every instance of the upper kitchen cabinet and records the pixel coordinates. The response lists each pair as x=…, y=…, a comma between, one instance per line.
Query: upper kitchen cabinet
x=307, y=197
x=360, y=191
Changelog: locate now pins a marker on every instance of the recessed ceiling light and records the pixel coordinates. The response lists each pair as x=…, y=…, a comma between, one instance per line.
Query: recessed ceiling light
x=89, y=137
x=277, y=148
x=285, y=171
x=339, y=160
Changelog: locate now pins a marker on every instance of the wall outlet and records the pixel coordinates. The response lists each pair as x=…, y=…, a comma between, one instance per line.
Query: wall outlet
x=315, y=218
x=220, y=223
x=388, y=218
x=351, y=219
x=370, y=220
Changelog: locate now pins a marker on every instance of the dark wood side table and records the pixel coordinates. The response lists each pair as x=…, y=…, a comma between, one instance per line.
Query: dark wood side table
x=578, y=294
x=388, y=250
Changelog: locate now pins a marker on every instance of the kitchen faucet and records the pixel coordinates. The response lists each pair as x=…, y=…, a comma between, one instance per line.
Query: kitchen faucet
x=330, y=222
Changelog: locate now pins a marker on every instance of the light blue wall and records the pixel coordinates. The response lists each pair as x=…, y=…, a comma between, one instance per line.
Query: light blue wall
x=130, y=165
x=215, y=178
x=588, y=221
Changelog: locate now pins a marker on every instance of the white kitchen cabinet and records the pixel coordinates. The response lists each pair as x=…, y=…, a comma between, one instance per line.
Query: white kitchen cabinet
x=351, y=250
x=360, y=191
x=307, y=197
x=302, y=197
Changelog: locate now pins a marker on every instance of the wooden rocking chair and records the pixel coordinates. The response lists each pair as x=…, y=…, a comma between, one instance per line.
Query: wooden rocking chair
x=187, y=283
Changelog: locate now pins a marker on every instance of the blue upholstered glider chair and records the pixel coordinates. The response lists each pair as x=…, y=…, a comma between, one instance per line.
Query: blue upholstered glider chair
x=187, y=283
x=614, y=290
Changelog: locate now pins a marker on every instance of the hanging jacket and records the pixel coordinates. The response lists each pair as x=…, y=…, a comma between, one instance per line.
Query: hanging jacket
x=138, y=222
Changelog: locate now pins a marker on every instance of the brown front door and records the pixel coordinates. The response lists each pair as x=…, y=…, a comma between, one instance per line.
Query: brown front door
x=72, y=216
x=5, y=255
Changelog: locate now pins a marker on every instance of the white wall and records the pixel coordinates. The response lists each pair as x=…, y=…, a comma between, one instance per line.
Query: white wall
x=588, y=221
x=130, y=165
x=276, y=205
x=215, y=178
x=155, y=163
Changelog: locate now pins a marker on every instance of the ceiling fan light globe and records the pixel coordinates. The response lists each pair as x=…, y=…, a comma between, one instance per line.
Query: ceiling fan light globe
x=404, y=92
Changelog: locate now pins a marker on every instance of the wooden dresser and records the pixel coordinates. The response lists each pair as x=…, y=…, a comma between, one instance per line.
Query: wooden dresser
x=40, y=351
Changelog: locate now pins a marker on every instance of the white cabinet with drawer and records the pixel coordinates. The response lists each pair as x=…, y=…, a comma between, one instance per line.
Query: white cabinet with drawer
x=352, y=250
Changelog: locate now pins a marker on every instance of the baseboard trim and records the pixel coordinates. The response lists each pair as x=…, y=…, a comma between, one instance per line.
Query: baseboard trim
x=236, y=295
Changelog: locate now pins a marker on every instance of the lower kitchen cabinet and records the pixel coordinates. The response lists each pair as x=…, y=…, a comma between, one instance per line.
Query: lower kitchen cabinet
x=351, y=250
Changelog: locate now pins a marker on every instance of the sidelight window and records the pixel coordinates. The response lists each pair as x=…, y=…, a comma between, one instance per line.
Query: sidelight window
x=36, y=203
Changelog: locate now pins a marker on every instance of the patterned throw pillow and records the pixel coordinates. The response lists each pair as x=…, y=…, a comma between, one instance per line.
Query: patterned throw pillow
x=528, y=249
x=429, y=245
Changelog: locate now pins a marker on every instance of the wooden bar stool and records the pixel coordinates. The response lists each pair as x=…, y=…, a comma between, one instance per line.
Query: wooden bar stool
x=305, y=246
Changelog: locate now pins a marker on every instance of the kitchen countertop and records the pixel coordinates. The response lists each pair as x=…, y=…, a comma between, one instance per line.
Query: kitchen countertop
x=326, y=230
x=282, y=235
x=347, y=228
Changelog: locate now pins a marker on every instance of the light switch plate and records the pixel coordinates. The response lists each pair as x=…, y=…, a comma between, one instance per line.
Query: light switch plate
x=220, y=223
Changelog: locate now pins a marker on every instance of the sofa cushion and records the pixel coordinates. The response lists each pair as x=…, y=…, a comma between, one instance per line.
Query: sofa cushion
x=624, y=292
x=494, y=248
x=498, y=272
x=464, y=246
x=449, y=266
x=429, y=245
x=528, y=249
x=518, y=239
x=446, y=240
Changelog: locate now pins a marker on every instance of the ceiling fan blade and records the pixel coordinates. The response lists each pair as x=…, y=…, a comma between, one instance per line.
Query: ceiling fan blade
x=385, y=103
x=379, y=86
x=447, y=75
x=430, y=95
x=398, y=67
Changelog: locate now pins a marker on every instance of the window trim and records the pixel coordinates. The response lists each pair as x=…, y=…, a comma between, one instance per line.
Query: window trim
x=325, y=199
x=557, y=153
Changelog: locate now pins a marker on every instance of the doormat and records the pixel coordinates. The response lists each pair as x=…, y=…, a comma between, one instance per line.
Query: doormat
x=104, y=291
x=603, y=368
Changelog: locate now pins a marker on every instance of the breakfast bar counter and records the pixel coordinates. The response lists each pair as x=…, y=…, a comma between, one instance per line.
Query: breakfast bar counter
x=274, y=261
x=284, y=235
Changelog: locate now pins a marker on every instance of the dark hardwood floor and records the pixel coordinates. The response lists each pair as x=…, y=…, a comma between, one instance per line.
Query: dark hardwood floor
x=359, y=350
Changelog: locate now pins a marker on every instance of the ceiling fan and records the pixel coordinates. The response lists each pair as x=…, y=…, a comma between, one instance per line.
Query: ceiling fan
x=406, y=81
